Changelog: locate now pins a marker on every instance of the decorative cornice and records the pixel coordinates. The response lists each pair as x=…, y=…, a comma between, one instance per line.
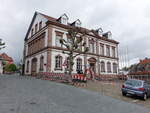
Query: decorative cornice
x=64, y=49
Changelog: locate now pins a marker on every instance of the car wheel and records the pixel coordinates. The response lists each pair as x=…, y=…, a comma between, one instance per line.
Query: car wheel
x=124, y=94
x=145, y=97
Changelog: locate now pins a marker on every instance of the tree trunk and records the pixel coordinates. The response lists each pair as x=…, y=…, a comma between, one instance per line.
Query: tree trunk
x=70, y=64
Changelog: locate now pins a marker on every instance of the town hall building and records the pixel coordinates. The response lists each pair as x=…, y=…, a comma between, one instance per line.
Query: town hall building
x=43, y=51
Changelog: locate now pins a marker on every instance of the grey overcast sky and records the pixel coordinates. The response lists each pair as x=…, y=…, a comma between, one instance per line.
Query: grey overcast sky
x=128, y=20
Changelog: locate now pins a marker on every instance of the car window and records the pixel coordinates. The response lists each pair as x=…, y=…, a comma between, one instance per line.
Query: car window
x=128, y=82
x=147, y=84
x=134, y=83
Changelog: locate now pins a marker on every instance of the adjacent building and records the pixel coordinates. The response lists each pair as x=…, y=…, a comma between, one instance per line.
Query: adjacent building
x=43, y=51
x=1, y=65
x=6, y=59
x=143, y=67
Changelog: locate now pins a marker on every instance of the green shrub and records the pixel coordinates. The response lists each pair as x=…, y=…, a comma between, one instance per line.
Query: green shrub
x=10, y=68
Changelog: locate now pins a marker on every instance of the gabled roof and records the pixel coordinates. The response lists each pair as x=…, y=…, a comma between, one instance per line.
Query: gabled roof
x=55, y=21
x=5, y=57
x=30, y=25
x=99, y=29
x=145, y=61
x=107, y=34
x=62, y=16
x=73, y=23
x=48, y=17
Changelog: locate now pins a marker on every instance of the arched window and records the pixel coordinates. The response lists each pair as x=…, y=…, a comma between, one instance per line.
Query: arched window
x=58, y=62
x=34, y=65
x=27, y=69
x=41, y=63
x=108, y=67
x=79, y=64
x=114, y=68
x=102, y=66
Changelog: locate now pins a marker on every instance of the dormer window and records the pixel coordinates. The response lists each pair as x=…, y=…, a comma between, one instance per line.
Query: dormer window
x=64, y=19
x=76, y=23
x=109, y=35
x=99, y=31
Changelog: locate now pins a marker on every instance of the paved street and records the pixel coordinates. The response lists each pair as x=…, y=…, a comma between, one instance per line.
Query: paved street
x=113, y=89
x=29, y=95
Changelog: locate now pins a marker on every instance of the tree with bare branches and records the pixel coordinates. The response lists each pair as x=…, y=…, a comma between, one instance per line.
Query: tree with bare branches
x=75, y=45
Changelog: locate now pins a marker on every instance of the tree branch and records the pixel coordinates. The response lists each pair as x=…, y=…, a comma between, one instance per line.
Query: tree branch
x=76, y=55
x=65, y=53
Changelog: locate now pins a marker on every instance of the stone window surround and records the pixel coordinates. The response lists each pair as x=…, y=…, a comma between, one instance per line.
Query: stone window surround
x=78, y=64
x=102, y=65
x=109, y=67
x=108, y=50
x=113, y=51
x=58, y=64
x=41, y=63
x=114, y=67
x=102, y=52
x=60, y=34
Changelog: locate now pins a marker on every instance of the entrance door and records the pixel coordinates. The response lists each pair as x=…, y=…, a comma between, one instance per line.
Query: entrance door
x=92, y=67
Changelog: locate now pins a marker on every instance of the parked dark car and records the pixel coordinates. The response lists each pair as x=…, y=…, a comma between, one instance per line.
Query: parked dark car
x=136, y=87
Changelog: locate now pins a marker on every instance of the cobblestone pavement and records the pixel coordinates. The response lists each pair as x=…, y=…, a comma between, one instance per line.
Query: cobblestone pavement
x=20, y=94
